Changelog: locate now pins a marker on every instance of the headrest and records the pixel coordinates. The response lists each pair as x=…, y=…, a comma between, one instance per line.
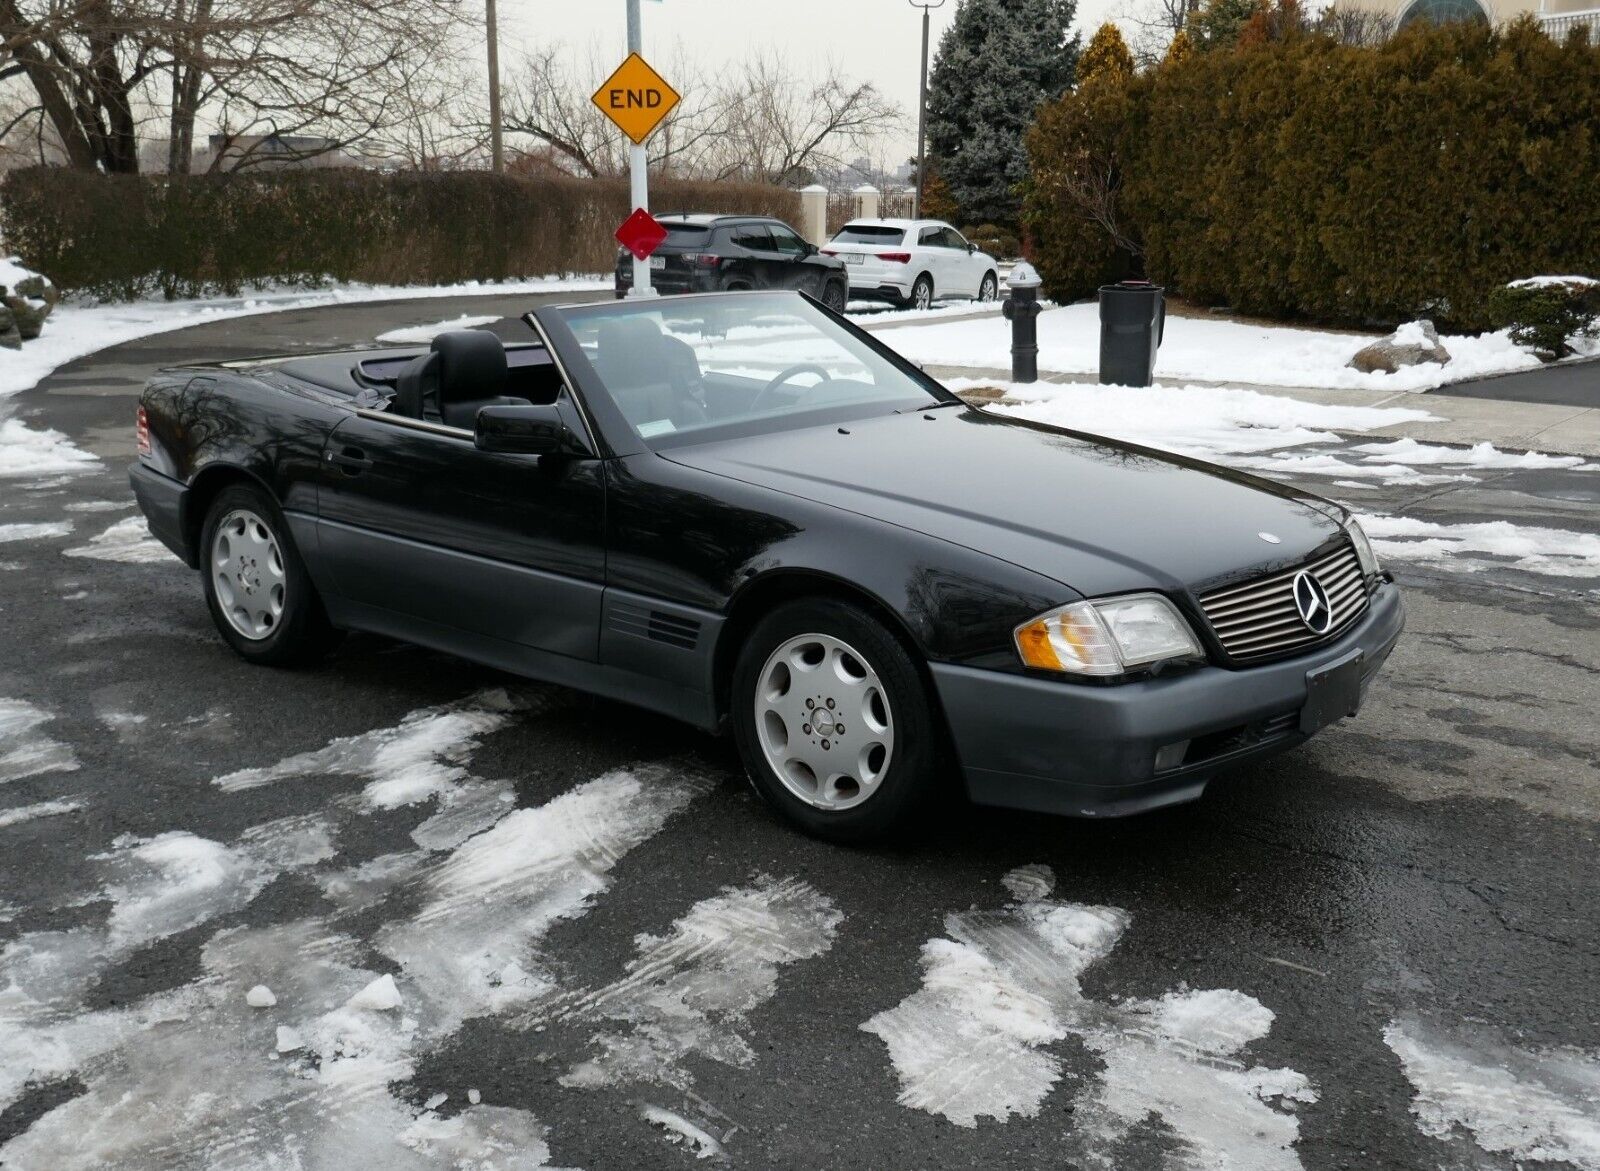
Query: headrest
x=411, y=389
x=472, y=365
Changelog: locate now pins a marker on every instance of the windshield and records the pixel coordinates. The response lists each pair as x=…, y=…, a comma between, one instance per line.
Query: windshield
x=874, y=234
x=695, y=369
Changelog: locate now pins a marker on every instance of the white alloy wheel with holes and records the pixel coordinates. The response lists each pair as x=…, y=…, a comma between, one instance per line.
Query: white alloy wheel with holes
x=989, y=289
x=824, y=721
x=248, y=574
x=922, y=293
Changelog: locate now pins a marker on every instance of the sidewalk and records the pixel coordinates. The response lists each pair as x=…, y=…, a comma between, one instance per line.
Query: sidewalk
x=1557, y=430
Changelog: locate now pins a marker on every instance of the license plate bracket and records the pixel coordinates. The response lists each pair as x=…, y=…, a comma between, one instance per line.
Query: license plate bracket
x=657, y=263
x=852, y=257
x=1332, y=693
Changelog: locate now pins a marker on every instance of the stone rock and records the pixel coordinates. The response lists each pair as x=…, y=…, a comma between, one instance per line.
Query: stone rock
x=29, y=315
x=1412, y=344
x=39, y=289
x=10, y=336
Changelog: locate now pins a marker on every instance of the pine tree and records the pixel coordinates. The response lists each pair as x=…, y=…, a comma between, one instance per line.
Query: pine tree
x=998, y=61
x=1106, y=58
x=1219, y=23
x=1180, y=50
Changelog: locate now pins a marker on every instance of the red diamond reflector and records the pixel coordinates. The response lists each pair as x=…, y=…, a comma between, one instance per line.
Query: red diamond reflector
x=641, y=234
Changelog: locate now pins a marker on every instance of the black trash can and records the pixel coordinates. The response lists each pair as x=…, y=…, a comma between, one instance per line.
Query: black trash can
x=1132, y=317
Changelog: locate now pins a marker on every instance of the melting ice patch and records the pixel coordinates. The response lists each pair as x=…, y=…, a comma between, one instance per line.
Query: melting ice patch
x=422, y=756
x=1003, y=986
x=34, y=532
x=1487, y=545
x=128, y=541
x=470, y=950
x=27, y=452
x=1537, y=1105
x=423, y=334
x=688, y=992
x=37, y=810
x=25, y=751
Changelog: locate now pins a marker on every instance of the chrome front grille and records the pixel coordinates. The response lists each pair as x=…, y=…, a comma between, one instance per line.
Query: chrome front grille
x=1260, y=619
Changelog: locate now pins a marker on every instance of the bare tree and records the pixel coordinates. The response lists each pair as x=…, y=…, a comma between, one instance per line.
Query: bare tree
x=1154, y=23
x=336, y=71
x=1355, y=26
x=760, y=121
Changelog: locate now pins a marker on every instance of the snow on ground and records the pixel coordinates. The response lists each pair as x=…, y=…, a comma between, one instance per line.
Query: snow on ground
x=25, y=751
x=1202, y=421
x=1209, y=349
x=26, y=452
x=128, y=541
x=1471, y=548
x=423, y=334
x=1003, y=986
x=688, y=992
x=1534, y=1105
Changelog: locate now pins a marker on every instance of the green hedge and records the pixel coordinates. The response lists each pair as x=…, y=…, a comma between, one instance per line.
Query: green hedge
x=1302, y=177
x=126, y=236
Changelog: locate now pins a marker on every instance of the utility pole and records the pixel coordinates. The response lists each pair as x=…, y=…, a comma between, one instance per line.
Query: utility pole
x=922, y=108
x=497, y=154
x=638, y=166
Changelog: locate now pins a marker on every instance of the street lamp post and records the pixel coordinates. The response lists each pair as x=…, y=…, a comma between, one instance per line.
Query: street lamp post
x=922, y=107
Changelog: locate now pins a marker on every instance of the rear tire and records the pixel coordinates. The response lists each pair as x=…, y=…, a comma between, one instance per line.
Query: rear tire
x=256, y=585
x=860, y=769
x=921, y=294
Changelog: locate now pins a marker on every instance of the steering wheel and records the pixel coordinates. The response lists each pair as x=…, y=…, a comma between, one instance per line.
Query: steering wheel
x=798, y=368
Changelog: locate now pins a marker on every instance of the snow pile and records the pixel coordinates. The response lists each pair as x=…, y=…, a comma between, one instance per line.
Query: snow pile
x=1486, y=545
x=128, y=541
x=423, y=334
x=974, y=1041
x=1208, y=349
x=1534, y=1105
x=34, y=532
x=1545, y=282
x=679, y=1129
x=40, y=809
x=25, y=452
x=1194, y=420
x=1482, y=455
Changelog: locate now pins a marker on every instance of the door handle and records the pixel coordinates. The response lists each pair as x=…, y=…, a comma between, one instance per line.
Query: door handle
x=351, y=460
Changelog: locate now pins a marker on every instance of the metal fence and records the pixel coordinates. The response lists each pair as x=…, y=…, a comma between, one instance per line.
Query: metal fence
x=844, y=206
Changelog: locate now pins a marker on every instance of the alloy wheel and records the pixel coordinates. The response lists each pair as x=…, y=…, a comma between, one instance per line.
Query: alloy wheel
x=248, y=574
x=824, y=721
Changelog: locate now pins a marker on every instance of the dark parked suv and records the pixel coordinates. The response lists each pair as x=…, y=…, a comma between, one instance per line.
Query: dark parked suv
x=713, y=253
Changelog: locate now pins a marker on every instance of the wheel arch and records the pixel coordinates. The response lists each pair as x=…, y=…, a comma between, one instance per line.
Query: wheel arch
x=761, y=594
x=205, y=488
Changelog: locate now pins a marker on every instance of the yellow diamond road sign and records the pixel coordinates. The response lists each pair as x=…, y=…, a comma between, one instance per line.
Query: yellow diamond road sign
x=636, y=98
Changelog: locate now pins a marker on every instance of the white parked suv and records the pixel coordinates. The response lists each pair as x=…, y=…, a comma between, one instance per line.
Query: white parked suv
x=911, y=262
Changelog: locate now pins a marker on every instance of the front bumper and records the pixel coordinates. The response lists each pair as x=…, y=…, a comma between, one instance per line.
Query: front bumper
x=1059, y=747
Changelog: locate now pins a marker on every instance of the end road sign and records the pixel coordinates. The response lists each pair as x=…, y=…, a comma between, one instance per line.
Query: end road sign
x=636, y=98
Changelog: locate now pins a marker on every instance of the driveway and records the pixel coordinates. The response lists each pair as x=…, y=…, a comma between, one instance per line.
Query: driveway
x=524, y=927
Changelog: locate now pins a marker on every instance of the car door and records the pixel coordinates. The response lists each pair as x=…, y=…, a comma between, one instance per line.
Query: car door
x=798, y=271
x=424, y=534
x=933, y=257
x=967, y=271
x=761, y=259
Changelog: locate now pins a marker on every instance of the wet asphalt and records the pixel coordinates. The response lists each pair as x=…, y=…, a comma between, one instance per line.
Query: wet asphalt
x=1433, y=859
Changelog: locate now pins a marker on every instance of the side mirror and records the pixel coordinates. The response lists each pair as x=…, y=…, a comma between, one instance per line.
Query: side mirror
x=971, y=248
x=527, y=430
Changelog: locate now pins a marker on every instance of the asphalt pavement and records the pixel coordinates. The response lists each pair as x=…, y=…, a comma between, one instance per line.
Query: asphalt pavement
x=638, y=963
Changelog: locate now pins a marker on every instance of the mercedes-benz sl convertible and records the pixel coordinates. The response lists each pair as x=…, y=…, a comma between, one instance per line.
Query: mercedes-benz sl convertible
x=743, y=511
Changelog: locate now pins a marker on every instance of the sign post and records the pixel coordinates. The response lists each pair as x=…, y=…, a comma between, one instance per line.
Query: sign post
x=636, y=98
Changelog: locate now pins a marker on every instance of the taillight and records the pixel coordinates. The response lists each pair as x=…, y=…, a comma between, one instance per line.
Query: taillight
x=829, y=252
x=895, y=257
x=702, y=259
x=141, y=429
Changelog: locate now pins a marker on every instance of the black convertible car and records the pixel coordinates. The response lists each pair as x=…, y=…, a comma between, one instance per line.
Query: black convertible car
x=741, y=510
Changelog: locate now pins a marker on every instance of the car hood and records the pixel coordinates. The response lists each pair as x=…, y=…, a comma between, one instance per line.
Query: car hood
x=1093, y=514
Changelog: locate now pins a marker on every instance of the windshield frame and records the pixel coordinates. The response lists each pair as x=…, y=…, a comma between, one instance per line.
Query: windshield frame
x=621, y=438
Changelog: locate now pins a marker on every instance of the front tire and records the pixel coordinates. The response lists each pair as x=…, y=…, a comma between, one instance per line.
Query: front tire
x=256, y=585
x=833, y=722
x=834, y=296
x=989, y=290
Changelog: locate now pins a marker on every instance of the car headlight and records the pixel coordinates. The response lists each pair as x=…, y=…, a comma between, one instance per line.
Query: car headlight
x=1364, y=553
x=1107, y=637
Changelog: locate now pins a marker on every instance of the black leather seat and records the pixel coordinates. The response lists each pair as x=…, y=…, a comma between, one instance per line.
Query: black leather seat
x=465, y=372
x=652, y=376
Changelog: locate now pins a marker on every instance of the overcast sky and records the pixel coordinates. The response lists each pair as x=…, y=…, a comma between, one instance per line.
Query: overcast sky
x=873, y=40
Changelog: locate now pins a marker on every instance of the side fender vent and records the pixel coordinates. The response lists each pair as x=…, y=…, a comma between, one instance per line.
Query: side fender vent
x=656, y=625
